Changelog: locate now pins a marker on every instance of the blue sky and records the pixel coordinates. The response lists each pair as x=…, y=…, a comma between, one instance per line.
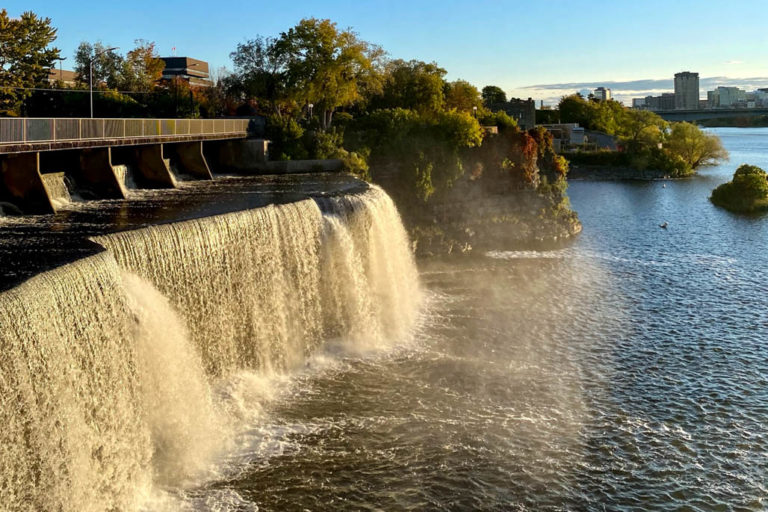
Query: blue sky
x=528, y=48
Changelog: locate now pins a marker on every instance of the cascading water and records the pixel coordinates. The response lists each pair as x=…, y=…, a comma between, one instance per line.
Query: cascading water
x=57, y=188
x=109, y=362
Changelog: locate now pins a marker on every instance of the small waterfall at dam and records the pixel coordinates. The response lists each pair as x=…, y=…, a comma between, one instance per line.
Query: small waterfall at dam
x=109, y=362
x=56, y=184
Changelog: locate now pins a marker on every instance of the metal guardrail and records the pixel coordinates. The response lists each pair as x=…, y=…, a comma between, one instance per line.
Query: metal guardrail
x=15, y=130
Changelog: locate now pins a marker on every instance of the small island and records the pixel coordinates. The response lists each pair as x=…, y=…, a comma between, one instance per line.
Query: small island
x=746, y=193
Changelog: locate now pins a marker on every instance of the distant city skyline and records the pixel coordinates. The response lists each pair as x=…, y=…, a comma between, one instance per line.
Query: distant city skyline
x=627, y=90
x=541, y=50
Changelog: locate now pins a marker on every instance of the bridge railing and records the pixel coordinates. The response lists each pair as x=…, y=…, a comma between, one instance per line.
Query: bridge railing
x=28, y=130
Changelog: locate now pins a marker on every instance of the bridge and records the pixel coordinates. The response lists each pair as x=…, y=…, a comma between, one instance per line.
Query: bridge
x=41, y=158
x=703, y=114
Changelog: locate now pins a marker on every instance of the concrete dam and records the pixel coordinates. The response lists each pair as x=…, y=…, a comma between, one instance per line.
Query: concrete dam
x=133, y=326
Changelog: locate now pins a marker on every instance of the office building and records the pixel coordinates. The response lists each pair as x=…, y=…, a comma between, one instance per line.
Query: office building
x=686, y=91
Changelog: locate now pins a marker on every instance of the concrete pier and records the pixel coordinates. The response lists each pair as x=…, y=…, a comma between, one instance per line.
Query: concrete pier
x=22, y=184
x=190, y=159
x=151, y=164
x=97, y=174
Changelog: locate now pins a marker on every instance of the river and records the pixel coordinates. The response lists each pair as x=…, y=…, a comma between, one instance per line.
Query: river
x=626, y=372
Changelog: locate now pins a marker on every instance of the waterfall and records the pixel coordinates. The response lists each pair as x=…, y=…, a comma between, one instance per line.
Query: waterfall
x=73, y=432
x=109, y=362
x=56, y=185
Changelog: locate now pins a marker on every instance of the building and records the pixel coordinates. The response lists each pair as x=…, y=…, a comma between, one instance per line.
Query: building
x=63, y=76
x=602, y=94
x=655, y=103
x=686, y=91
x=565, y=135
x=727, y=97
x=638, y=103
x=523, y=111
x=192, y=70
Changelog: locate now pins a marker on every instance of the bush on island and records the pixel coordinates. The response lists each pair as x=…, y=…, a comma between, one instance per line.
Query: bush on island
x=747, y=192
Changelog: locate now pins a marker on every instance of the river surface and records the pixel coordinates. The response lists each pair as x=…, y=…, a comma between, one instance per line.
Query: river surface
x=626, y=372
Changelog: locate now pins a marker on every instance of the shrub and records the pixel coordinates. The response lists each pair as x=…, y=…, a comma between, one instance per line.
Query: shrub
x=747, y=192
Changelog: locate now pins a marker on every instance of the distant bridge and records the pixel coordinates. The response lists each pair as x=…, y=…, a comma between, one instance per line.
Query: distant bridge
x=37, y=154
x=703, y=114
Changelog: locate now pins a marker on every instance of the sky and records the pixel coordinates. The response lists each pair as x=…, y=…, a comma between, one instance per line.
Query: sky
x=535, y=48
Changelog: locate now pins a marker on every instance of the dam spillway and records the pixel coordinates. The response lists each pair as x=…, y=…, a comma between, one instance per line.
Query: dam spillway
x=120, y=320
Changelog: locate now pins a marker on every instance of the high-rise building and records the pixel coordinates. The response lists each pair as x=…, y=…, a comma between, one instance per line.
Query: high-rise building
x=686, y=91
x=602, y=94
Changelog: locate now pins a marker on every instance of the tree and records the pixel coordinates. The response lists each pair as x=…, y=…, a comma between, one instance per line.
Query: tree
x=25, y=57
x=575, y=109
x=142, y=68
x=604, y=116
x=260, y=73
x=494, y=97
x=641, y=129
x=693, y=146
x=414, y=85
x=327, y=67
x=462, y=96
x=747, y=192
x=107, y=66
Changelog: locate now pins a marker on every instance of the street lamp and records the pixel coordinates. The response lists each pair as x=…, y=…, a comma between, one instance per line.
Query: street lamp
x=61, y=67
x=474, y=112
x=90, y=72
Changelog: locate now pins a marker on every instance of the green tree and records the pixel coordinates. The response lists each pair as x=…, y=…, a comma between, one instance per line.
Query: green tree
x=500, y=119
x=107, y=65
x=425, y=149
x=494, y=97
x=604, y=116
x=413, y=85
x=25, y=57
x=575, y=109
x=695, y=147
x=142, y=68
x=328, y=67
x=462, y=96
x=260, y=73
x=747, y=192
x=641, y=129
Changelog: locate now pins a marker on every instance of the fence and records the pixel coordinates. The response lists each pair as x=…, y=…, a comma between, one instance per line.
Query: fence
x=22, y=130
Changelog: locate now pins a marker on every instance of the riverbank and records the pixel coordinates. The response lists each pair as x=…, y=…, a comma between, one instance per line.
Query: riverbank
x=583, y=172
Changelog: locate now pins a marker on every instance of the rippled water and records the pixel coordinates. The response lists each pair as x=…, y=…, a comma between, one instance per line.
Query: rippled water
x=627, y=372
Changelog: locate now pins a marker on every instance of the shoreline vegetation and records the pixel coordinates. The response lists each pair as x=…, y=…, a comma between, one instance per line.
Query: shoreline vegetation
x=462, y=173
x=747, y=192
x=648, y=145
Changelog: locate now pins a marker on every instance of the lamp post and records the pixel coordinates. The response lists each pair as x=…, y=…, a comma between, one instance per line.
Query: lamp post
x=474, y=112
x=90, y=72
x=309, y=108
x=61, y=67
